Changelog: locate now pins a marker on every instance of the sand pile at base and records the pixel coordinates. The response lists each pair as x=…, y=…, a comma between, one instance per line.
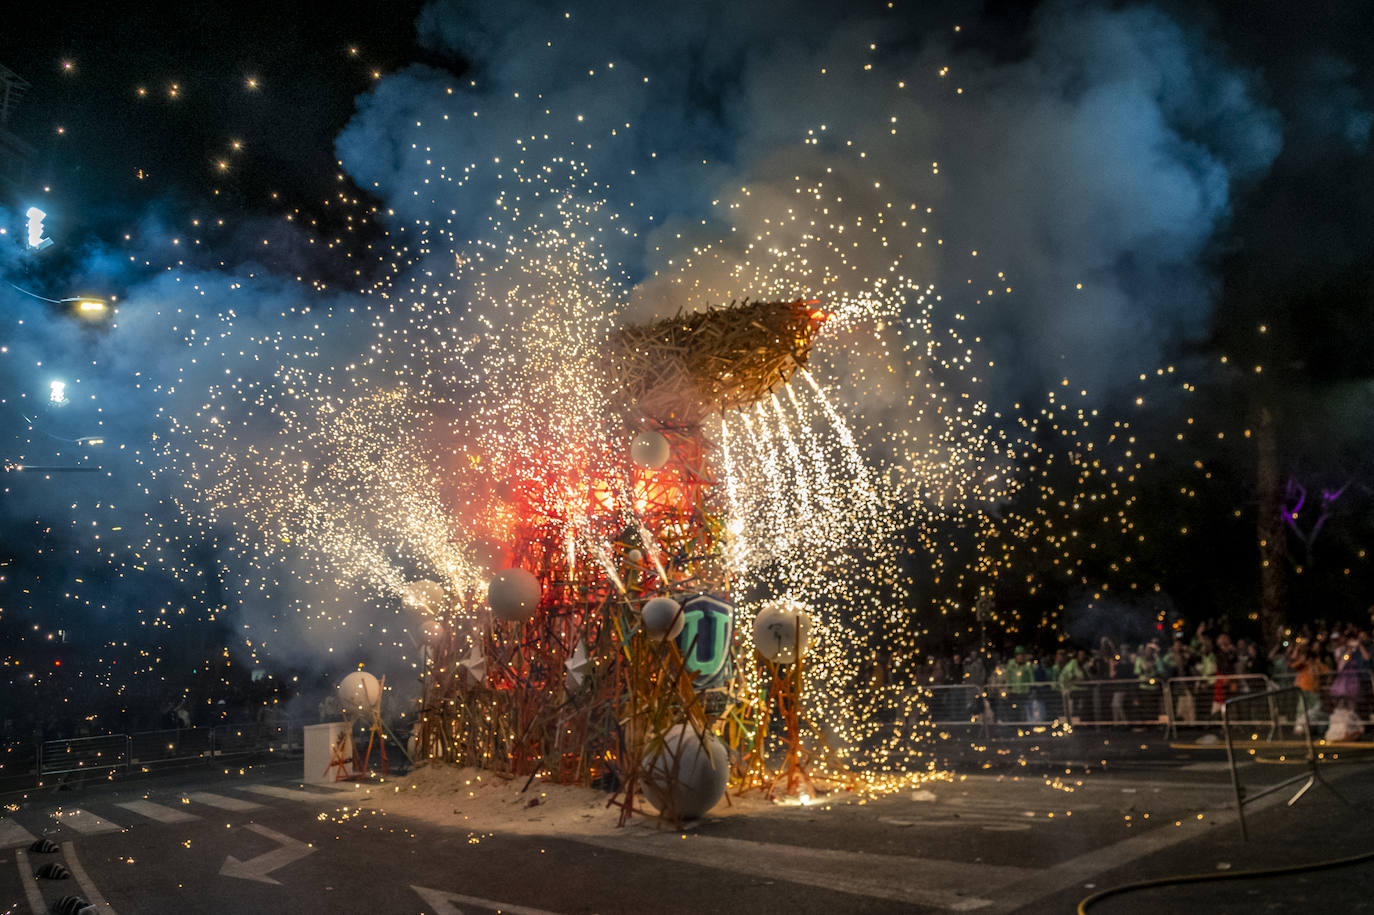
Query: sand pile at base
x=481, y=802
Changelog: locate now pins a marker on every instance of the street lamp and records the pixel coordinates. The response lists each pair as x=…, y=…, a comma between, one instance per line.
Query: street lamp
x=87, y=307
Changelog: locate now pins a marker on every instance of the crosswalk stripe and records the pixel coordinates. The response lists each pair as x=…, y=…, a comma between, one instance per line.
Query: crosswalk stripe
x=85, y=822
x=222, y=802
x=36, y=904
x=84, y=881
x=11, y=834
x=158, y=812
x=290, y=794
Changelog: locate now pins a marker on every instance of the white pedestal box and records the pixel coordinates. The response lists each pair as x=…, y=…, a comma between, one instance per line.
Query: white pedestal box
x=319, y=751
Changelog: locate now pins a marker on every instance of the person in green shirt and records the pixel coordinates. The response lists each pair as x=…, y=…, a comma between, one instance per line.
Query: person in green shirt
x=1070, y=674
x=1149, y=673
x=1073, y=671
x=1020, y=674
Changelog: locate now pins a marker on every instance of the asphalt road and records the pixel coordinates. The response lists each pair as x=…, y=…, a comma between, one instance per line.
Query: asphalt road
x=1028, y=834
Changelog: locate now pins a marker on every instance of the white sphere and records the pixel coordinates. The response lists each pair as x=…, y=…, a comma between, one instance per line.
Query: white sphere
x=662, y=618
x=701, y=769
x=650, y=449
x=513, y=595
x=359, y=692
x=634, y=556
x=782, y=631
x=424, y=596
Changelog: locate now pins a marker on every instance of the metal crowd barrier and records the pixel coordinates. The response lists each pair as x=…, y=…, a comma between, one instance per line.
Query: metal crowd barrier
x=83, y=754
x=1175, y=703
x=1314, y=708
x=150, y=749
x=1087, y=703
x=1272, y=700
x=1167, y=703
x=1198, y=702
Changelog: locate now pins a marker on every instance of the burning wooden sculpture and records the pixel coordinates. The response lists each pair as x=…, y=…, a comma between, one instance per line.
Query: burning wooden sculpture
x=629, y=654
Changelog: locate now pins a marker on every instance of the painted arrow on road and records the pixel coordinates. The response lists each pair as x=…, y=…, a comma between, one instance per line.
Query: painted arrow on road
x=258, y=868
x=442, y=902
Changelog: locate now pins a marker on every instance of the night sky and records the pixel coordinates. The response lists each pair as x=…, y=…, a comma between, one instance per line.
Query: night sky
x=1184, y=185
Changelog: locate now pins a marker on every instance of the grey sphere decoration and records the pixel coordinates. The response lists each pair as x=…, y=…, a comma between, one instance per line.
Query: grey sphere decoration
x=513, y=595
x=782, y=631
x=662, y=618
x=360, y=692
x=701, y=767
x=424, y=596
x=650, y=449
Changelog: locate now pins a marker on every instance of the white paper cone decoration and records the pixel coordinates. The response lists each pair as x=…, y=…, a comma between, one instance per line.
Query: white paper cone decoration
x=782, y=631
x=474, y=666
x=513, y=595
x=360, y=693
x=577, y=666
x=701, y=770
x=424, y=596
x=662, y=618
x=650, y=449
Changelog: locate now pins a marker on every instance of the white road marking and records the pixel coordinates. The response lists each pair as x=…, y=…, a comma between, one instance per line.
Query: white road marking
x=900, y=878
x=222, y=802
x=30, y=885
x=290, y=794
x=92, y=894
x=158, y=812
x=342, y=786
x=258, y=868
x=11, y=834
x=441, y=901
x=961, y=812
x=85, y=822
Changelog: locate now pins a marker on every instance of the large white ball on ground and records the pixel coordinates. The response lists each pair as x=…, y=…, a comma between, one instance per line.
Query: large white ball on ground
x=662, y=618
x=360, y=693
x=782, y=631
x=650, y=449
x=687, y=775
x=513, y=595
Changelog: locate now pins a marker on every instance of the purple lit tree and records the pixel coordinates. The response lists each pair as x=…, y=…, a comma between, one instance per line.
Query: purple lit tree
x=1295, y=509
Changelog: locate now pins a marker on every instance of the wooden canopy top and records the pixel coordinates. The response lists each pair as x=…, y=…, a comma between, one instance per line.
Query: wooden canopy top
x=718, y=359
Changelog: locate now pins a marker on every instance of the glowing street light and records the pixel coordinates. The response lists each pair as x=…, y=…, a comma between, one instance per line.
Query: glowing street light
x=89, y=307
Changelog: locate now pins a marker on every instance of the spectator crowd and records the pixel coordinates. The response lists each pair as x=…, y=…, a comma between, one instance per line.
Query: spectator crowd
x=1120, y=684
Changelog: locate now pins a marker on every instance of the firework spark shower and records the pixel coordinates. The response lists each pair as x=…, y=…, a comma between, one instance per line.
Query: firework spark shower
x=323, y=401
x=450, y=445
